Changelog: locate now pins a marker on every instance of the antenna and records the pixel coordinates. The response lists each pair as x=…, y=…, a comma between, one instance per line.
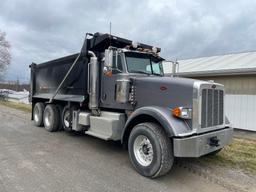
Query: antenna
x=110, y=28
x=110, y=33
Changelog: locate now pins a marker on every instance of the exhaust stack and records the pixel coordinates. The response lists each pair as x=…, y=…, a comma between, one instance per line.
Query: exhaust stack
x=93, y=83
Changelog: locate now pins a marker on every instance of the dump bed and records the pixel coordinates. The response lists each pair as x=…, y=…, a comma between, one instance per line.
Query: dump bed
x=46, y=77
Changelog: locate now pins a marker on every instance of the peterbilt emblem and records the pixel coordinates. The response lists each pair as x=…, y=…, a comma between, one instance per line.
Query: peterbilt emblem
x=163, y=88
x=213, y=86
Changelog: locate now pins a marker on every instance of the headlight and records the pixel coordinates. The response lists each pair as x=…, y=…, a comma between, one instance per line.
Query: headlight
x=182, y=112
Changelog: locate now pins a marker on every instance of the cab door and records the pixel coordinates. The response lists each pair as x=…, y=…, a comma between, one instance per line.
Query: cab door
x=108, y=83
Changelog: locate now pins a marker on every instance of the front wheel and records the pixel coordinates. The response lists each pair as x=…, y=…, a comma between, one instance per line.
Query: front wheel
x=150, y=150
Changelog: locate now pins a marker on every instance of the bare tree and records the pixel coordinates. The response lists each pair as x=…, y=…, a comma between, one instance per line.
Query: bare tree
x=5, y=55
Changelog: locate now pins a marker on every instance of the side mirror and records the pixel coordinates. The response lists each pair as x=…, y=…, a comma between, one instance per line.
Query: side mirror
x=109, y=58
x=108, y=63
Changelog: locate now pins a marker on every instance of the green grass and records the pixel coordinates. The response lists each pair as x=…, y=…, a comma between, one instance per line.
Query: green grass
x=241, y=153
x=19, y=106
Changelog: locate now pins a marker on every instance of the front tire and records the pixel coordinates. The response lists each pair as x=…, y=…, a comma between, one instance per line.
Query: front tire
x=150, y=150
x=51, y=118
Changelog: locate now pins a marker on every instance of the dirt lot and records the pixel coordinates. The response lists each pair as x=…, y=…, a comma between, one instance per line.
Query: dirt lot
x=32, y=159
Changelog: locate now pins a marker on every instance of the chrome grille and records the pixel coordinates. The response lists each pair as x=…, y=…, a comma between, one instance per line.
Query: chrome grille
x=212, y=107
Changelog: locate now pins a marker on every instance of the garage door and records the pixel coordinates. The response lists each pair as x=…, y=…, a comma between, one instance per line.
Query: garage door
x=241, y=111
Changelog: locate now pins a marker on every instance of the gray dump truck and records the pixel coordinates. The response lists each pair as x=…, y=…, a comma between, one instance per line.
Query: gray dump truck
x=115, y=89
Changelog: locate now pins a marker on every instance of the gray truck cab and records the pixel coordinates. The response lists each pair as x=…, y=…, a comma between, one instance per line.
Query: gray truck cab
x=119, y=68
x=121, y=94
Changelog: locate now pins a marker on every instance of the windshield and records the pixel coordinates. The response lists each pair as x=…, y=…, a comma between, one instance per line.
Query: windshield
x=143, y=63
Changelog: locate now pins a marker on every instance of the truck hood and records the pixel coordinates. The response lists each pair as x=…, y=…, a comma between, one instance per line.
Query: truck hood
x=163, y=91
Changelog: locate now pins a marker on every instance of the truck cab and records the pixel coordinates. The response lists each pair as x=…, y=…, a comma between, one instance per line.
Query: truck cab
x=119, y=68
x=115, y=89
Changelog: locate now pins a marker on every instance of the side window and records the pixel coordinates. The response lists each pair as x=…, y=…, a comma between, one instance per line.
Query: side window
x=117, y=64
x=148, y=68
x=156, y=68
x=114, y=61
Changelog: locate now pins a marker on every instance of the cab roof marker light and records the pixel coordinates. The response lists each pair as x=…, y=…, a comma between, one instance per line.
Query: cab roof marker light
x=135, y=44
x=154, y=49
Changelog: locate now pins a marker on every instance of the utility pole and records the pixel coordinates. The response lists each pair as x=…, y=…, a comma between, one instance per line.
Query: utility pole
x=17, y=84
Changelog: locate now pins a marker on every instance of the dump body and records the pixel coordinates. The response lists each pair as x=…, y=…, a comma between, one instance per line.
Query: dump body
x=47, y=77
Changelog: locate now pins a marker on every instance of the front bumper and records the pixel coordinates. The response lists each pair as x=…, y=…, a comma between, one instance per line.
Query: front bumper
x=199, y=145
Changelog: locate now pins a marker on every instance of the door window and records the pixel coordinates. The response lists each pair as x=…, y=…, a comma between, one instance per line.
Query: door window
x=117, y=64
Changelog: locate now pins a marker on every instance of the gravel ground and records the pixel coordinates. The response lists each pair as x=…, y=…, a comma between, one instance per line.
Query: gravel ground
x=32, y=159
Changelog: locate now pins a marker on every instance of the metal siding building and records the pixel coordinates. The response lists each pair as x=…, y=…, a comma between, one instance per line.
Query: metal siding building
x=238, y=73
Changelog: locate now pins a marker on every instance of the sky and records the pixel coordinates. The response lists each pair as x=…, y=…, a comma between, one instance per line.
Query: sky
x=43, y=30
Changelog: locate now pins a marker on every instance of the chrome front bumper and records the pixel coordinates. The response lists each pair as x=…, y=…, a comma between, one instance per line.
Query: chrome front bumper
x=199, y=145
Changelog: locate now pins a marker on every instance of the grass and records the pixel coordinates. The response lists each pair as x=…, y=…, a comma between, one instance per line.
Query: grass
x=241, y=154
x=19, y=106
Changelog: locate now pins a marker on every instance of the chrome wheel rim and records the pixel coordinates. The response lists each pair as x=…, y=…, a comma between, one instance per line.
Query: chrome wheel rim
x=36, y=114
x=143, y=150
x=66, y=118
x=47, y=118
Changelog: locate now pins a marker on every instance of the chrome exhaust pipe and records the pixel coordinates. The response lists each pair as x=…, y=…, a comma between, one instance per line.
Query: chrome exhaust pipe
x=93, y=83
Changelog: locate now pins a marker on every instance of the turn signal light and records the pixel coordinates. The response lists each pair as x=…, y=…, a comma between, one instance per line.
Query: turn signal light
x=182, y=112
x=108, y=73
x=176, y=112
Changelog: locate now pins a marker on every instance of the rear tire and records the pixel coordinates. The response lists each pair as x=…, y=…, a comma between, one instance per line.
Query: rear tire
x=38, y=112
x=66, y=118
x=150, y=150
x=60, y=108
x=51, y=118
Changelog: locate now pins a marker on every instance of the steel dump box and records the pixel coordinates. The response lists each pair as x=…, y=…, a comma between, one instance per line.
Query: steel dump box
x=46, y=77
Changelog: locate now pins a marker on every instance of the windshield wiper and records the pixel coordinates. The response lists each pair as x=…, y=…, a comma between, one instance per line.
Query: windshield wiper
x=141, y=72
x=157, y=74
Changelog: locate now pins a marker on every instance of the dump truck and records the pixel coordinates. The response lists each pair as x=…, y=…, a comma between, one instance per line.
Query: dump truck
x=115, y=89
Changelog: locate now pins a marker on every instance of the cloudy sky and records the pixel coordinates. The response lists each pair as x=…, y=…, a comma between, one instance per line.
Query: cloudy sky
x=43, y=30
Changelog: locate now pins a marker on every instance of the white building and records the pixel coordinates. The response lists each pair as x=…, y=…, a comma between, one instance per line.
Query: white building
x=238, y=73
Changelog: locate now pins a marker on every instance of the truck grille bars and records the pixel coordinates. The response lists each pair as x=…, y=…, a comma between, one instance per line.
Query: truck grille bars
x=212, y=108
